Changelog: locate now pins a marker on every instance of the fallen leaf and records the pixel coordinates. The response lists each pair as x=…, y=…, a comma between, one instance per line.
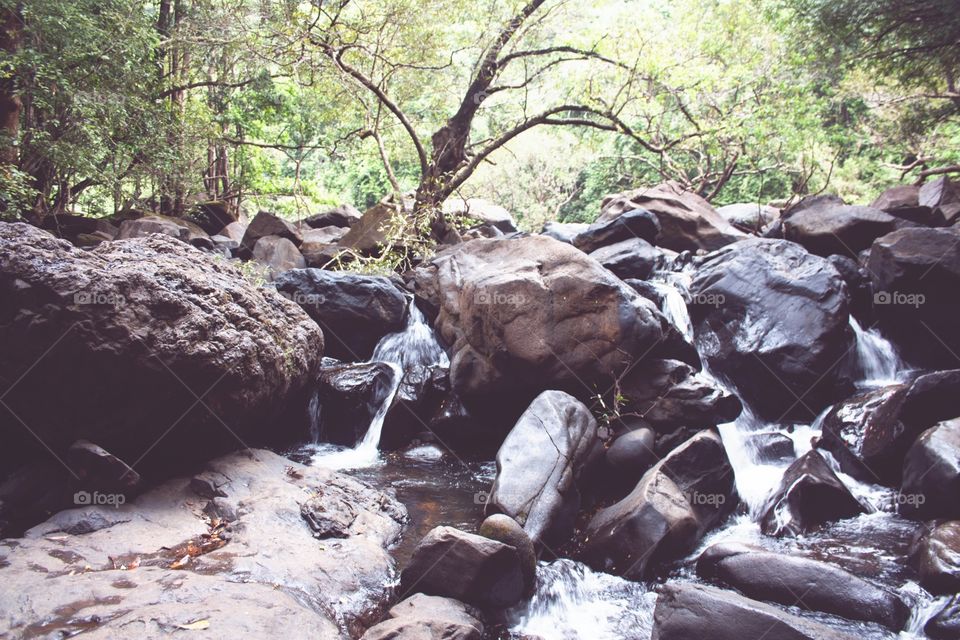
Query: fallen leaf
x=181, y=563
x=199, y=625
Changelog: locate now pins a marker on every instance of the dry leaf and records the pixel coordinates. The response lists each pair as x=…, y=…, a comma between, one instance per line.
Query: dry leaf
x=181, y=563
x=199, y=625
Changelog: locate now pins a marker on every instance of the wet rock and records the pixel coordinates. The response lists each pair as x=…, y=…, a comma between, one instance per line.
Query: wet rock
x=946, y=624
x=936, y=556
x=635, y=223
x=931, y=474
x=96, y=469
x=687, y=221
x=675, y=503
x=505, y=529
x=633, y=258
x=148, y=347
x=455, y=564
x=773, y=319
x=801, y=582
x=209, y=484
x=630, y=455
x=810, y=494
x=540, y=464
x=120, y=575
x=563, y=231
x=182, y=230
x=687, y=611
x=354, y=310
x=483, y=211
x=343, y=216
x=858, y=284
x=268, y=224
x=749, y=217
x=422, y=617
x=669, y=393
x=772, y=446
x=528, y=314
x=277, y=255
x=831, y=229
x=350, y=394
x=915, y=273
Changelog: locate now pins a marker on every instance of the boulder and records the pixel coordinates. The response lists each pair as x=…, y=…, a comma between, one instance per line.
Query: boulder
x=505, y=529
x=268, y=224
x=903, y=201
x=527, y=314
x=630, y=455
x=323, y=235
x=277, y=255
x=484, y=212
x=540, y=464
x=182, y=230
x=859, y=287
x=831, y=229
x=235, y=231
x=915, y=272
x=633, y=258
x=97, y=469
x=687, y=221
x=936, y=556
x=423, y=617
x=157, y=565
x=749, y=217
x=675, y=503
x=931, y=474
x=688, y=611
x=801, y=582
x=464, y=566
x=354, y=310
x=350, y=395
x=945, y=625
x=343, y=216
x=71, y=227
x=563, y=231
x=810, y=494
x=371, y=232
x=212, y=216
x=943, y=196
x=147, y=347
x=773, y=320
x=636, y=223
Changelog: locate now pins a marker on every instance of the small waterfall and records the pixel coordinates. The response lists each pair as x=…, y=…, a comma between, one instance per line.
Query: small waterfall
x=877, y=357
x=674, y=305
x=410, y=354
x=313, y=416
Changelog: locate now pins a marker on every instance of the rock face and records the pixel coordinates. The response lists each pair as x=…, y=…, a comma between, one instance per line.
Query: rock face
x=687, y=221
x=168, y=561
x=635, y=223
x=540, y=463
x=633, y=258
x=810, y=494
x=687, y=611
x=426, y=617
x=931, y=474
x=780, y=578
x=673, y=505
x=830, y=229
x=455, y=564
x=773, y=319
x=915, y=273
x=350, y=394
x=528, y=314
x=267, y=224
x=152, y=347
x=354, y=310
x=936, y=556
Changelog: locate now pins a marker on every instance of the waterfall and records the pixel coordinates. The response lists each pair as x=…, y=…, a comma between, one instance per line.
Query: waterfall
x=313, y=416
x=669, y=285
x=877, y=358
x=410, y=354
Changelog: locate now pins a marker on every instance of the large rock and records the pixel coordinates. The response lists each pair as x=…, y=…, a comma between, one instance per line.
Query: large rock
x=689, y=611
x=323, y=235
x=636, y=223
x=72, y=227
x=675, y=503
x=837, y=229
x=946, y=624
x=464, y=566
x=773, y=319
x=687, y=221
x=343, y=216
x=528, y=314
x=810, y=494
x=749, y=217
x=540, y=463
x=936, y=556
x=632, y=258
x=268, y=224
x=170, y=562
x=277, y=255
x=147, y=347
x=903, y=201
x=178, y=228
x=480, y=210
x=564, y=231
x=505, y=529
x=931, y=474
x=213, y=216
x=355, y=310
x=801, y=582
x=943, y=196
x=915, y=273
x=423, y=617
x=350, y=395
x=372, y=232
x=870, y=433
x=630, y=455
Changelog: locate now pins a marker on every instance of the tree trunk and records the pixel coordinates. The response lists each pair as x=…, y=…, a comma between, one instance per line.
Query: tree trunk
x=11, y=38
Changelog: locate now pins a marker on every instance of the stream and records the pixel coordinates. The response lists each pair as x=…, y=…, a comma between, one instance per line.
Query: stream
x=571, y=600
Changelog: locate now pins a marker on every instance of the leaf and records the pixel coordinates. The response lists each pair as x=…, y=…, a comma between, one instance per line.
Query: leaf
x=181, y=563
x=199, y=625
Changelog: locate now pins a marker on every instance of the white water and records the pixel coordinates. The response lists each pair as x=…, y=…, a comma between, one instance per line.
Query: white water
x=877, y=357
x=410, y=352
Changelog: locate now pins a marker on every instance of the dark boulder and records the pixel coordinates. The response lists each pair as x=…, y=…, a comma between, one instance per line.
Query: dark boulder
x=837, y=229
x=467, y=567
x=943, y=196
x=354, y=310
x=630, y=456
x=505, y=529
x=675, y=503
x=936, y=556
x=343, y=216
x=749, y=217
x=903, y=201
x=931, y=474
x=946, y=624
x=212, y=216
x=859, y=287
x=774, y=320
x=540, y=464
x=633, y=258
x=350, y=395
x=810, y=494
x=636, y=223
x=268, y=224
x=72, y=227
x=563, y=231
x=97, y=469
x=916, y=272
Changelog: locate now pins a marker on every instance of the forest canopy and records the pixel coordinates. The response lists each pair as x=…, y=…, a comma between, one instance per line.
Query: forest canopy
x=542, y=106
